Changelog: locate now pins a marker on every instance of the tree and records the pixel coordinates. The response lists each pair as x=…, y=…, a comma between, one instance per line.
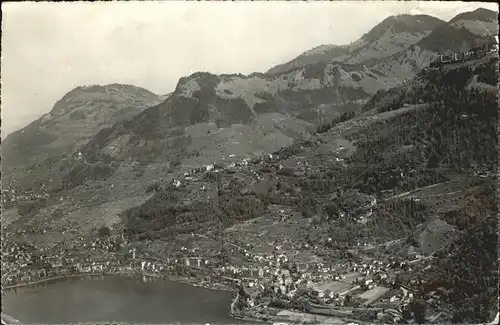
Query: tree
x=104, y=231
x=176, y=162
x=418, y=309
x=305, y=305
x=331, y=210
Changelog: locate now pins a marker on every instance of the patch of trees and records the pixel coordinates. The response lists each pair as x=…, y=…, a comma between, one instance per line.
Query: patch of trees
x=468, y=271
x=455, y=78
x=165, y=214
x=376, y=100
x=266, y=169
x=307, y=205
x=83, y=172
x=263, y=95
x=209, y=177
x=488, y=73
x=156, y=186
x=104, y=231
x=417, y=308
x=289, y=151
x=162, y=147
x=318, y=185
x=397, y=218
x=342, y=118
x=355, y=77
x=456, y=133
x=25, y=208
x=315, y=71
x=445, y=36
x=333, y=209
x=375, y=179
x=346, y=232
x=175, y=162
x=437, y=85
x=462, y=132
x=479, y=204
x=286, y=171
x=28, y=141
x=159, y=212
x=94, y=156
x=235, y=209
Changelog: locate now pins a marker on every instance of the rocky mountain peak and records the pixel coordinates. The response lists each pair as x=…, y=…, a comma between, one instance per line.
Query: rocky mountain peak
x=74, y=119
x=481, y=21
x=413, y=24
x=85, y=95
x=481, y=14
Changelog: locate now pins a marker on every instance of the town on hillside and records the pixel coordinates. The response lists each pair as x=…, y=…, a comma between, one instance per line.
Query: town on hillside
x=352, y=185
x=473, y=54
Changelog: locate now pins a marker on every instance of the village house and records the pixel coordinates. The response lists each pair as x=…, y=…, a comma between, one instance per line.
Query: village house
x=302, y=267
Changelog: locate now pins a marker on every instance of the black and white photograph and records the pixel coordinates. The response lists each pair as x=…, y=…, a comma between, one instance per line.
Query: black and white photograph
x=249, y=162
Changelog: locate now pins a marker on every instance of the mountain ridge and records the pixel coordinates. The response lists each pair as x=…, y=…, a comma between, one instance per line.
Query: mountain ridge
x=225, y=105
x=413, y=28
x=79, y=114
x=478, y=14
x=299, y=97
x=401, y=186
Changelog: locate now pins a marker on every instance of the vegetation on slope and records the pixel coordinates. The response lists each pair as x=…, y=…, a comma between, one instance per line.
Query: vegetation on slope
x=433, y=85
x=480, y=14
x=468, y=273
x=322, y=128
x=414, y=149
x=448, y=38
x=456, y=133
x=403, y=23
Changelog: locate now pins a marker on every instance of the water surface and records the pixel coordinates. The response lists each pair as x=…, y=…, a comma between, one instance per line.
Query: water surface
x=116, y=298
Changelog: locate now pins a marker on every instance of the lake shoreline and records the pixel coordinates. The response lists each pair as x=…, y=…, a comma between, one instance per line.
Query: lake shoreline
x=127, y=274
x=235, y=314
x=132, y=274
x=122, y=274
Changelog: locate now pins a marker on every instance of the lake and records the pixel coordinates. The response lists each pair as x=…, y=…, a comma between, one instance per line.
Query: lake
x=117, y=298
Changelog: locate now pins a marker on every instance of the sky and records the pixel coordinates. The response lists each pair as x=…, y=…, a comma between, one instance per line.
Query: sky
x=49, y=48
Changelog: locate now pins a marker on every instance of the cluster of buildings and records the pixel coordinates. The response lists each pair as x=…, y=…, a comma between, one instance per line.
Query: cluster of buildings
x=337, y=285
x=244, y=162
x=11, y=197
x=268, y=158
x=275, y=273
x=473, y=54
x=25, y=262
